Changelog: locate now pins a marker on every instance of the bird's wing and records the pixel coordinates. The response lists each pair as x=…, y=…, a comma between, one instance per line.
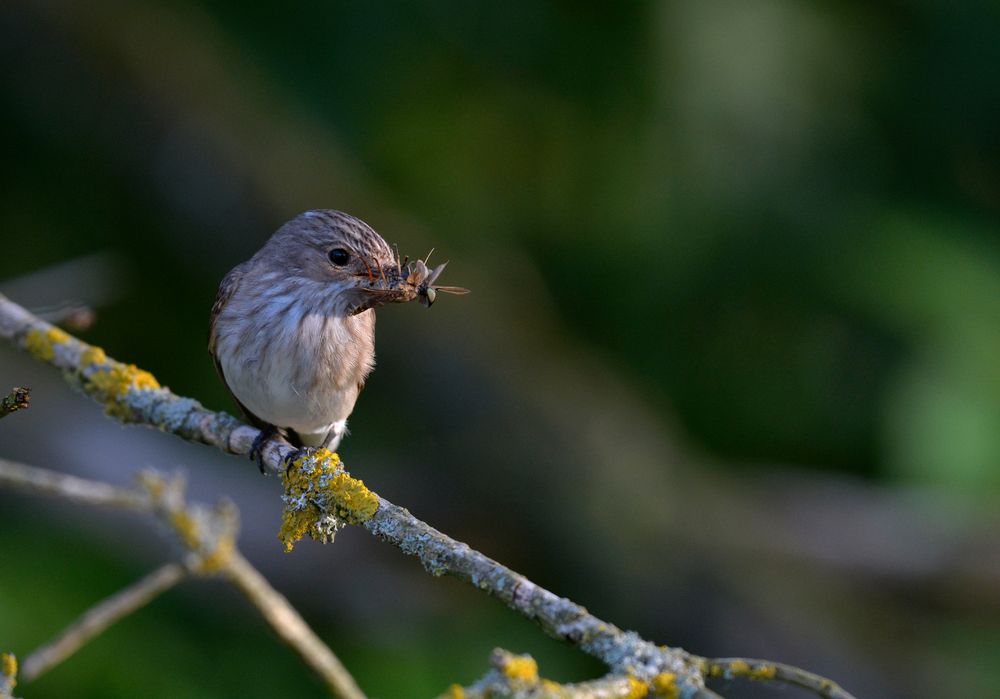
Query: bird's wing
x=227, y=288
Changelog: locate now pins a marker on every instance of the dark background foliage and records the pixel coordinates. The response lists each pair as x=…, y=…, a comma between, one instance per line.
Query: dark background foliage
x=729, y=375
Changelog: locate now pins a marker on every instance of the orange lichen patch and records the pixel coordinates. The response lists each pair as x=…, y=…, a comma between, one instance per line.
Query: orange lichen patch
x=42, y=344
x=320, y=497
x=637, y=689
x=521, y=667
x=665, y=685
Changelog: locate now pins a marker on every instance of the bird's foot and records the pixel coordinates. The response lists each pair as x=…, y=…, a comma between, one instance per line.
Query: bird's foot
x=260, y=441
x=297, y=454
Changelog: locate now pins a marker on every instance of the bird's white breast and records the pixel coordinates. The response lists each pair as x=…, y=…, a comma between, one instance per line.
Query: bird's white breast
x=292, y=364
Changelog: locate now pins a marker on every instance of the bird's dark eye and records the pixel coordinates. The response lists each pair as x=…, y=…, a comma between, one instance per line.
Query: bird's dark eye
x=339, y=256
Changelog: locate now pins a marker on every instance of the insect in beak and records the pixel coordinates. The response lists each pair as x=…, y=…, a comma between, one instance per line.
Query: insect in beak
x=410, y=281
x=423, y=279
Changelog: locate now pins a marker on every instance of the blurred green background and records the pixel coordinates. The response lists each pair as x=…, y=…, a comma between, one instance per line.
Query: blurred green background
x=730, y=374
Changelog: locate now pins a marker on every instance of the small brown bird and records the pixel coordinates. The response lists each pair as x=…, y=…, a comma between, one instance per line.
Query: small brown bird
x=293, y=328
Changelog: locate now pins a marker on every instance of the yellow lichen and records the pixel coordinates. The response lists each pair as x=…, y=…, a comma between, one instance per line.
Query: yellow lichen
x=665, y=685
x=91, y=356
x=191, y=534
x=355, y=503
x=8, y=666
x=552, y=688
x=763, y=672
x=187, y=528
x=739, y=668
x=112, y=383
x=455, y=691
x=153, y=483
x=42, y=344
x=294, y=527
x=637, y=689
x=220, y=555
x=317, y=487
x=522, y=667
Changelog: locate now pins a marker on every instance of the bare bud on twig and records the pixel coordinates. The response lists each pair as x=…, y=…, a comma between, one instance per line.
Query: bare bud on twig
x=17, y=399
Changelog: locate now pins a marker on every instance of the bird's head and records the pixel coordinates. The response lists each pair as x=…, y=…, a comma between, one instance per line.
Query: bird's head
x=341, y=260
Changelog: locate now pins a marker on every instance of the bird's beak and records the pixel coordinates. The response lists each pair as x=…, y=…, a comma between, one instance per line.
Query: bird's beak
x=378, y=286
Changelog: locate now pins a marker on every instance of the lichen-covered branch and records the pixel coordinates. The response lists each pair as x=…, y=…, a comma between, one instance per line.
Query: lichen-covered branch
x=287, y=623
x=8, y=675
x=320, y=496
x=208, y=534
x=127, y=393
x=18, y=399
x=99, y=617
x=622, y=651
x=46, y=482
x=516, y=677
x=765, y=670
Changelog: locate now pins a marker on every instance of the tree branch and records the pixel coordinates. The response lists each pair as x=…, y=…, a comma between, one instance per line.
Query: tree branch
x=731, y=668
x=45, y=482
x=516, y=677
x=290, y=627
x=209, y=536
x=99, y=617
x=134, y=396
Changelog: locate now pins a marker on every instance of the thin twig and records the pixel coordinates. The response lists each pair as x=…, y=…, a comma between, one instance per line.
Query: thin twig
x=46, y=482
x=748, y=668
x=99, y=617
x=18, y=399
x=516, y=677
x=70, y=314
x=208, y=533
x=290, y=627
x=134, y=396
